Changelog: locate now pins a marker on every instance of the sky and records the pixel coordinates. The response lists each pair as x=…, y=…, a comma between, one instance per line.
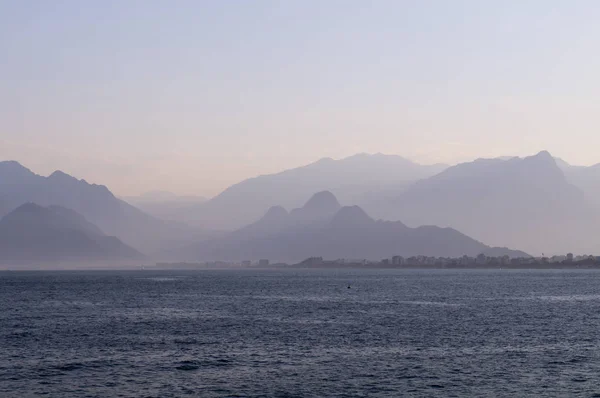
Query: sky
x=191, y=96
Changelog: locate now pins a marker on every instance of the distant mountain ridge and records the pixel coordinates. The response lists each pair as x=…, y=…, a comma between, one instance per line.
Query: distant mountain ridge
x=337, y=232
x=518, y=202
x=538, y=203
x=36, y=235
x=318, y=211
x=19, y=185
x=350, y=179
x=586, y=178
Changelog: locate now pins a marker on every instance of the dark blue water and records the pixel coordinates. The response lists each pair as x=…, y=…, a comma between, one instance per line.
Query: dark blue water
x=300, y=333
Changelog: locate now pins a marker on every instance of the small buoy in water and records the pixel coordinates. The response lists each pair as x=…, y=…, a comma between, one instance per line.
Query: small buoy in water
x=349, y=287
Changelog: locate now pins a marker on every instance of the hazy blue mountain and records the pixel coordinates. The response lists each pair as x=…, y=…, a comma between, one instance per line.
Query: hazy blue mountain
x=317, y=211
x=165, y=205
x=275, y=220
x=350, y=179
x=586, y=178
x=519, y=202
x=19, y=185
x=337, y=232
x=37, y=235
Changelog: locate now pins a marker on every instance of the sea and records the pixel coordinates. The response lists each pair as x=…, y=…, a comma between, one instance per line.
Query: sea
x=300, y=333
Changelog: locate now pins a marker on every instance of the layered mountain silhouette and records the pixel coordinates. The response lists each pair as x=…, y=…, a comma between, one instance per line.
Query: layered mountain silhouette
x=517, y=202
x=323, y=228
x=317, y=212
x=19, y=185
x=538, y=203
x=32, y=234
x=350, y=179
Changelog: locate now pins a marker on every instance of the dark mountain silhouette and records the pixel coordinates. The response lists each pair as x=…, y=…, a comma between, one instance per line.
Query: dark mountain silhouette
x=37, y=235
x=346, y=232
x=350, y=217
x=275, y=220
x=350, y=179
x=519, y=202
x=321, y=207
x=19, y=185
x=318, y=211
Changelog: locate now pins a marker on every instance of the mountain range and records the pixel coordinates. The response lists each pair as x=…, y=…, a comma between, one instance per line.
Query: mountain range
x=539, y=204
x=350, y=179
x=36, y=235
x=322, y=227
x=518, y=202
x=19, y=185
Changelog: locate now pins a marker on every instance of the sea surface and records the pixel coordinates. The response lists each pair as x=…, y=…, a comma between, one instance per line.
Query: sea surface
x=300, y=333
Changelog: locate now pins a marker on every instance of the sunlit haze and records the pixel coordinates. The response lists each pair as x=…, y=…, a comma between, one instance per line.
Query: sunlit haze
x=192, y=96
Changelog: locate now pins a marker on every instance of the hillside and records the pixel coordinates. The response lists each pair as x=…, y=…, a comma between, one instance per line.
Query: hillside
x=32, y=234
x=19, y=185
x=519, y=202
x=341, y=232
x=350, y=179
x=586, y=178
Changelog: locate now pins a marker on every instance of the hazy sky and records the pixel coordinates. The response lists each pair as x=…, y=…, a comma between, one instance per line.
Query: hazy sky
x=191, y=96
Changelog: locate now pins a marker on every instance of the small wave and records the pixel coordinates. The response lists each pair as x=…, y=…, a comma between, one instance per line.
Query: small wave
x=163, y=278
x=436, y=303
x=571, y=298
x=189, y=365
x=73, y=366
x=185, y=341
x=63, y=303
x=436, y=386
x=19, y=334
x=69, y=367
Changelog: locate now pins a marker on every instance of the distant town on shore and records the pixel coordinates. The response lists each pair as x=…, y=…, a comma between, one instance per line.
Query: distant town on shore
x=480, y=261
